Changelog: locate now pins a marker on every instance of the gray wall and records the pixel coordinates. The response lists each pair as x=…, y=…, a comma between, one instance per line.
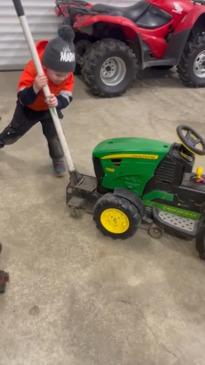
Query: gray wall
x=43, y=23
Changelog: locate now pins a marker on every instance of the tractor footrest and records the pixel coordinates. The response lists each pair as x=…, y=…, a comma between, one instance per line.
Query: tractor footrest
x=186, y=227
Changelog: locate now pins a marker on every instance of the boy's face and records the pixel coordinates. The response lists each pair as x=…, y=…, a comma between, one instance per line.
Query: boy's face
x=56, y=77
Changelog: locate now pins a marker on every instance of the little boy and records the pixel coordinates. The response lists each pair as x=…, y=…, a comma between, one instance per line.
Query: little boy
x=58, y=60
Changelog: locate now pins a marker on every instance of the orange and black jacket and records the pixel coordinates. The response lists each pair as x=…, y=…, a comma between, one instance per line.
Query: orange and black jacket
x=36, y=102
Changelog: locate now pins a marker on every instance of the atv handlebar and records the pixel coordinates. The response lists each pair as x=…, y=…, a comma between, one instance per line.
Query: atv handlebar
x=81, y=3
x=19, y=8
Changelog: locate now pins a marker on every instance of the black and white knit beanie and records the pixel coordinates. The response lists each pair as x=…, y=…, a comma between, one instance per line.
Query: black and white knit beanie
x=59, y=54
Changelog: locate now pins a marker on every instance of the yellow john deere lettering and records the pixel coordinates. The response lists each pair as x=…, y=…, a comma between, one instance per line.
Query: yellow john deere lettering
x=131, y=155
x=108, y=169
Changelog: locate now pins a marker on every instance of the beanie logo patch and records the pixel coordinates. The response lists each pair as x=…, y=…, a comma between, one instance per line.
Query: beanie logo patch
x=67, y=55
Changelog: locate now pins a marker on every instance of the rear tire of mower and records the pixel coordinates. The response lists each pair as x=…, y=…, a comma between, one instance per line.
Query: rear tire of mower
x=186, y=66
x=93, y=63
x=200, y=243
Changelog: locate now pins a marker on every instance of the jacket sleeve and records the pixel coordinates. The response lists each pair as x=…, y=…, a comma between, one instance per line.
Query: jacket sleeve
x=66, y=95
x=27, y=76
x=27, y=96
x=26, y=93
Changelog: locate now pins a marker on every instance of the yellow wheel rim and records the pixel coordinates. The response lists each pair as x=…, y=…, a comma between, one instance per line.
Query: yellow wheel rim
x=115, y=221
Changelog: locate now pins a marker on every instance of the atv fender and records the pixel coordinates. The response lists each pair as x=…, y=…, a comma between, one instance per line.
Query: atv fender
x=191, y=19
x=129, y=29
x=127, y=26
x=194, y=21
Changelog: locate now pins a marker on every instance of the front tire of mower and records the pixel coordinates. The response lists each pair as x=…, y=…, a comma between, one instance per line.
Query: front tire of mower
x=116, y=217
x=109, y=68
x=189, y=66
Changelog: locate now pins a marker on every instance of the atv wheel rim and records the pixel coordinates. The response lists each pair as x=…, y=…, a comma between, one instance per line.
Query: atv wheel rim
x=113, y=71
x=199, y=65
x=114, y=221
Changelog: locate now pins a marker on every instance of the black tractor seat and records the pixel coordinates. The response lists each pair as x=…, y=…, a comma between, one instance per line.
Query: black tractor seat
x=133, y=12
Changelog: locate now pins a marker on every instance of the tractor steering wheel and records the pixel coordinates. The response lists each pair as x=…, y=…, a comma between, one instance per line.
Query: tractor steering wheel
x=191, y=139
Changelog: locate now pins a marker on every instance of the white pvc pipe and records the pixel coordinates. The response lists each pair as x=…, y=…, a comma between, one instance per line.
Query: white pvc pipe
x=46, y=90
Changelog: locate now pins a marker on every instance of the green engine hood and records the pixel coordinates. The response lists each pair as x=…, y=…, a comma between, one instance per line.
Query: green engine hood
x=128, y=162
x=124, y=146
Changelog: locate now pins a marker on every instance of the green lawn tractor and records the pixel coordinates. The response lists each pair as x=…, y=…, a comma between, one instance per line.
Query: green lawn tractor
x=145, y=181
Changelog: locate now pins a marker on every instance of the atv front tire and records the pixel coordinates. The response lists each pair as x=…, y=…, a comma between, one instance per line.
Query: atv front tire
x=109, y=67
x=81, y=46
x=191, y=68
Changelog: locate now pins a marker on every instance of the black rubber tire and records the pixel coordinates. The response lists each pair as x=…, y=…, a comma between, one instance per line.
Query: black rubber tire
x=110, y=200
x=185, y=67
x=95, y=57
x=200, y=243
x=81, y=47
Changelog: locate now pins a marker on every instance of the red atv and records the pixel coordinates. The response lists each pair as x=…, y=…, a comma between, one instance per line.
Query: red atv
x=114, y=43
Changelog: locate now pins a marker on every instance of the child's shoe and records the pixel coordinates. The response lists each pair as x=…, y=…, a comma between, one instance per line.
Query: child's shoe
x=59, y=167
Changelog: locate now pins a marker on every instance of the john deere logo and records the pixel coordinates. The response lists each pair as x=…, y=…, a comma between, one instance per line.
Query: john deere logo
x=67, y=55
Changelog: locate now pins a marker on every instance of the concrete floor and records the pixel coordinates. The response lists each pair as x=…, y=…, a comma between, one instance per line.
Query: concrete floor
x=76, y=297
